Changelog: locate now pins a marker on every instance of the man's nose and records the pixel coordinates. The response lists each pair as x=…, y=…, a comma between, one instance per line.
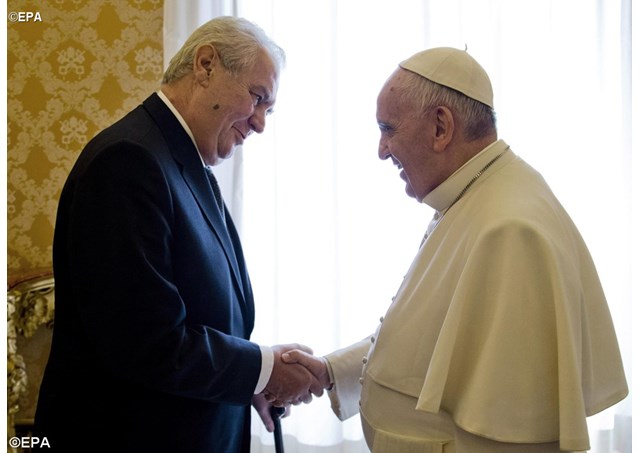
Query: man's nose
x=258, y=120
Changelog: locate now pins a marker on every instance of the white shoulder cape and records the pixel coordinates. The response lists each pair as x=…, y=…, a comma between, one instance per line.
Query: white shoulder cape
x=501, y=320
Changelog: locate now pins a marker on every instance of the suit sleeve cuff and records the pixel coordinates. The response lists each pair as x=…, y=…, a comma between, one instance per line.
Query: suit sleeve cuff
x=265, y=371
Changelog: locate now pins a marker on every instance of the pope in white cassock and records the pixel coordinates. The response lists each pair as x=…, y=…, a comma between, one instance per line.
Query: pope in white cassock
x=499, y=338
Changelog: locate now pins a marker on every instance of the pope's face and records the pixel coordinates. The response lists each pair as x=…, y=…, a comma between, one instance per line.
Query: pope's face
x=404, y=138
x=233, y=107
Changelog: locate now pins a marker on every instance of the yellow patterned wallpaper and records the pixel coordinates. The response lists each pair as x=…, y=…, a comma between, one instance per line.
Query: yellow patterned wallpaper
x=73, y=68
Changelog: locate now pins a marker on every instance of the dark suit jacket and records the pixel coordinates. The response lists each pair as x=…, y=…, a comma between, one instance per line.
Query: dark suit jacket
x=154, y=306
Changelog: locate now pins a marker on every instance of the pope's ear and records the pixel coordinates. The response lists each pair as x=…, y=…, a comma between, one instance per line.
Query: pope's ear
x=444, y=125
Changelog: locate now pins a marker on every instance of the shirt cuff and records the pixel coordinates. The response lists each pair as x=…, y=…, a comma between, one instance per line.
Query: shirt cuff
x=267, y=368
x=332, y=379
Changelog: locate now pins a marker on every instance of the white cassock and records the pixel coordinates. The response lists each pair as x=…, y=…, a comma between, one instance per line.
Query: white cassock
x=500, y=328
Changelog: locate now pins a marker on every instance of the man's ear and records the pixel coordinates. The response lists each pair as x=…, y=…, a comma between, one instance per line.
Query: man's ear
x=204, y=62
x=444, y=126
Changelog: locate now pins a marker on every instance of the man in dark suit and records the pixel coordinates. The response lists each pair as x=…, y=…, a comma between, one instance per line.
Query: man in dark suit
x=154, y=306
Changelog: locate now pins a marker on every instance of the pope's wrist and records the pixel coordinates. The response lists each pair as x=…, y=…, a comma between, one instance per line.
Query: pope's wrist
x=329, y=386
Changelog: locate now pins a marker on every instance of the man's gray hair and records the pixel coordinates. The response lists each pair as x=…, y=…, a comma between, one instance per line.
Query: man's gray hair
x=478, y=119
x=236, y=40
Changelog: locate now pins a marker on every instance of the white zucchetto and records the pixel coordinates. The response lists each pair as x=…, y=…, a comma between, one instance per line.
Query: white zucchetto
x=453, y=68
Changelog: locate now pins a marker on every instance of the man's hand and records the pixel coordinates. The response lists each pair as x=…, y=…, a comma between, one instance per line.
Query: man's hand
x=290, y=383
x=316, y=365
x=263, y=407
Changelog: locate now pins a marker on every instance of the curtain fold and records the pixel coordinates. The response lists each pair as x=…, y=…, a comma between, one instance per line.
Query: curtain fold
x=327, y=229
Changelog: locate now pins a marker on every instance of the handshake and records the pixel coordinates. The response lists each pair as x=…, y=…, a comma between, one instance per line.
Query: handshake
x=297, y=375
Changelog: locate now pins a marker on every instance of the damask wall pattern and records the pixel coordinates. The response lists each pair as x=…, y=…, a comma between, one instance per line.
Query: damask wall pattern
x=72, y=69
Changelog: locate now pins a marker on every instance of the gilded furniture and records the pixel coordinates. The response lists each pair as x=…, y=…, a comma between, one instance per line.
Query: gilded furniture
x=30, y=308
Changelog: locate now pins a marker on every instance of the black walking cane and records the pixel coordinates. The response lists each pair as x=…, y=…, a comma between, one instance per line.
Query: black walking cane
x=276, y=413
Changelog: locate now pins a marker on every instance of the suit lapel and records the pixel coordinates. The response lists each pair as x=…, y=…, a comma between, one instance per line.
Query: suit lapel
x=185, y=153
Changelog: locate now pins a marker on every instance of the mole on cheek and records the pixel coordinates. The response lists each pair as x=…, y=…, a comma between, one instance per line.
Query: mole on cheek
x=216, y=107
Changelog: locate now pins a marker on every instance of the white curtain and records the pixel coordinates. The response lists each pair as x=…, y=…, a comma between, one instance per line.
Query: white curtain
x=327, y=229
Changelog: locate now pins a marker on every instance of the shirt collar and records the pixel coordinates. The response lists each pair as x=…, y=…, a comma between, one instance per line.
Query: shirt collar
x=442, y=196
x=179, y=117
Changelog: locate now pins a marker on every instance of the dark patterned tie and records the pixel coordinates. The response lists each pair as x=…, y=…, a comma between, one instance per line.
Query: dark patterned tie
x=216, y=190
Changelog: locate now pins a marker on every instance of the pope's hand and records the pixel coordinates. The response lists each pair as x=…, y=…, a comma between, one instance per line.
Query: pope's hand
x=291, y=383
x=316, y=365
